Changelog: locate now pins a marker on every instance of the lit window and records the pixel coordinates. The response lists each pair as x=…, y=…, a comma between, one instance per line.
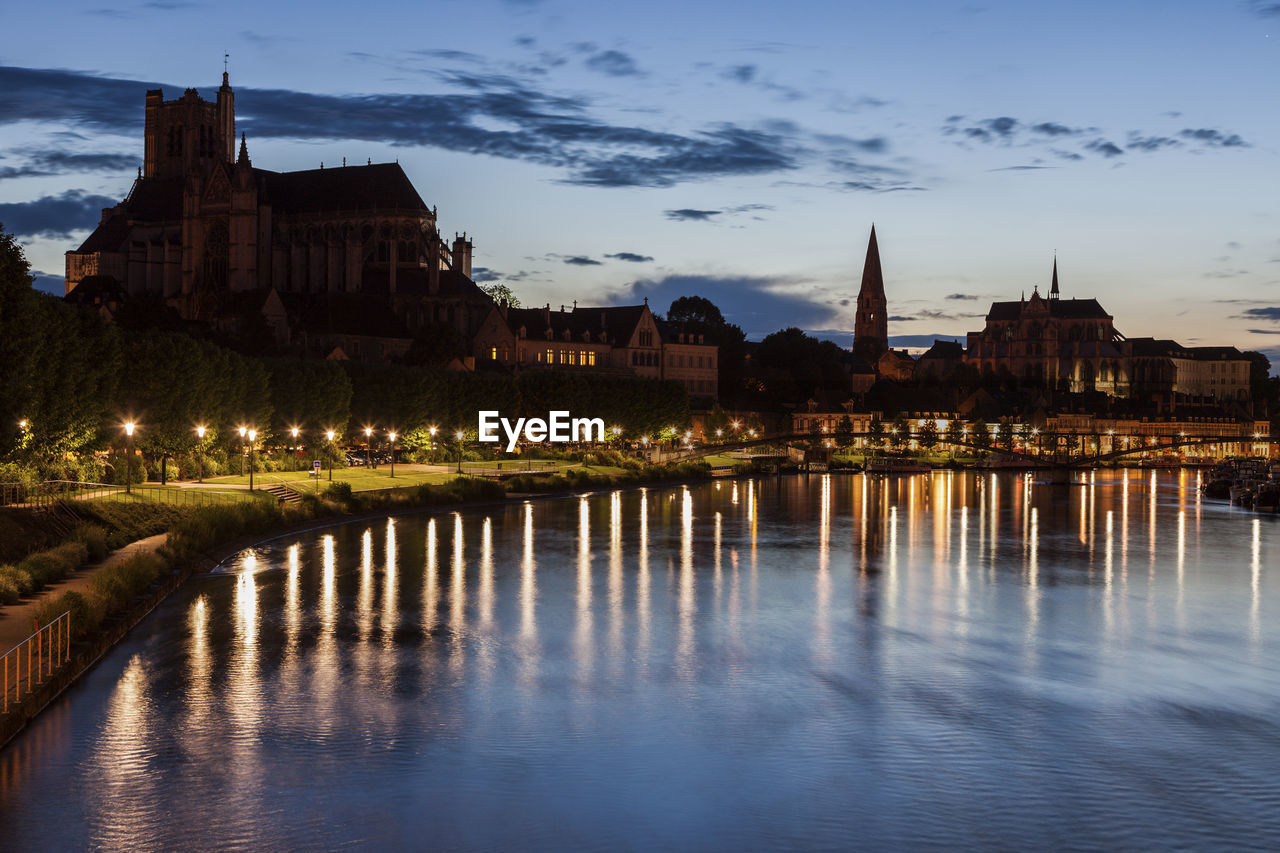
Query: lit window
x=493, y=353
x=591, y=358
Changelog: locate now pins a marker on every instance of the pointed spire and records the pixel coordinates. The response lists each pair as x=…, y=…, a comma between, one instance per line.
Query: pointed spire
x=872, y=276
x=1053, y=291
x=243, y=160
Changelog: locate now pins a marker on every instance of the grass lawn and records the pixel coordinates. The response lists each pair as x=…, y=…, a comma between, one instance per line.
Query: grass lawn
x=721, y=461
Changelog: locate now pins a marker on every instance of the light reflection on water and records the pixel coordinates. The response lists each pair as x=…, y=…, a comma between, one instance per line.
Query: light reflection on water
x=954, y=659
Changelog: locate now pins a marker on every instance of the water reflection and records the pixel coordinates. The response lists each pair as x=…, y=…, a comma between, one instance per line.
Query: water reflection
x=829, y=652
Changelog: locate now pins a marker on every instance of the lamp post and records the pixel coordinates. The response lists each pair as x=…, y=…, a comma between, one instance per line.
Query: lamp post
x=128, y=464
x=329, y=435
x=432, y=431
x=368, y=448
x=293, y=451
x=200, y=452
x=253, y=434
x=392, y=436
x=458, y=435
x=243, y=430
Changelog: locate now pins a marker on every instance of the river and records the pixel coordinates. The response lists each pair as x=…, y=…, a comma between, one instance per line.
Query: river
x=955, y=660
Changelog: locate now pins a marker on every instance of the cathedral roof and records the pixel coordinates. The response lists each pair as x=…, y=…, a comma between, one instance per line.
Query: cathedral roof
x=1067, y=309
x=944, y=349
x=618, y=322
x=381, y=185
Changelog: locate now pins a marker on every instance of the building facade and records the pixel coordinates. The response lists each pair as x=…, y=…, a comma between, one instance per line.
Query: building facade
x=351, y=253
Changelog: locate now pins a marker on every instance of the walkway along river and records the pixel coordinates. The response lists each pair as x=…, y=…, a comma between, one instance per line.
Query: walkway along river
x=955, y=659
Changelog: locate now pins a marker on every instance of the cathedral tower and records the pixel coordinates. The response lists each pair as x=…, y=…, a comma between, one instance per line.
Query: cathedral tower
x=188, y=135
x=871, y=325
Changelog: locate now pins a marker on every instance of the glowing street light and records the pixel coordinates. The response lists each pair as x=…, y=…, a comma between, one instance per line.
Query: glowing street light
x=432, y=431
x=368, y=447
x=200, y=431
x=128, y=467
x=392, y=436
x=253, y=436
x=293, y=451
x=243, y=430
x=329, y=435
x=458, y=435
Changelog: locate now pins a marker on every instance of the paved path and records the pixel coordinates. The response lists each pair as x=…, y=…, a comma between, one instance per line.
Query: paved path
x=16, y=619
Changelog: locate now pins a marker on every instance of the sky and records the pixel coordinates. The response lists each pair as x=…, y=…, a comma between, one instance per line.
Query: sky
x=739, y=151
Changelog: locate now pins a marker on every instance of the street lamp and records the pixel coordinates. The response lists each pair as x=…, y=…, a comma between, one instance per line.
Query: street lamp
x=253, y=434
x=329, y=436
x=128, y=465
x=392, y=436
x=243, y=430
x=458, y=435
x=293, y=431
x=432, y=431
x=200, y=451
x=368, y=448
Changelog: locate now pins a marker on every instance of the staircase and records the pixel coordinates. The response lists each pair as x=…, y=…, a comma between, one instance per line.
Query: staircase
x=283, y=493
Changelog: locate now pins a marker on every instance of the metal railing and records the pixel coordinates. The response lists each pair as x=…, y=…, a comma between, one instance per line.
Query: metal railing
x=52, y=492
x=34, y=659
x=498, y=470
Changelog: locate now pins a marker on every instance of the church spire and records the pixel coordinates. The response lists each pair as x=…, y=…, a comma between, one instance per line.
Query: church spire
x=872, y=276
x=871, y=322
x=1053, y=290
x=243, y=159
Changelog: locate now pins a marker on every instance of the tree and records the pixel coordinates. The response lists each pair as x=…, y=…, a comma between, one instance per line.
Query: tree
x=695, y=314
x=928, y=435
x=981, y=434
x=954, y=432
x=900, y=432
x=875, y=433
x=1005, y=435
x=498, y=291
x=18, y=338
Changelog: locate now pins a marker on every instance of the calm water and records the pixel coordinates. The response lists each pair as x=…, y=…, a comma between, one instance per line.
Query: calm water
x=948, y=660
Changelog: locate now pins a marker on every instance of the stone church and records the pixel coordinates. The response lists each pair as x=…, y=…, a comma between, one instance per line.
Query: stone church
x=339, y=261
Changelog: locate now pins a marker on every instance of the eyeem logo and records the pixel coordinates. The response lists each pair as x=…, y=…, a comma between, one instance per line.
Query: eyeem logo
x=558, y=427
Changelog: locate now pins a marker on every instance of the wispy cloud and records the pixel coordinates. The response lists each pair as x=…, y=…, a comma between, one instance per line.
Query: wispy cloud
x=43, y=163
x=630, y=257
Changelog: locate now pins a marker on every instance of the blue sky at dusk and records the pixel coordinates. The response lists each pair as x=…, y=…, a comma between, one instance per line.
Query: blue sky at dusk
x=739, y=151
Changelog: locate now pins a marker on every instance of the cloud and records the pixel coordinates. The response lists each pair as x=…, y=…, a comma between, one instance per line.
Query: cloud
x=615, y=63
x=757, y=304
x=45, y=163
x=581, y=261
x=1021, y=168
x=1214, y=138
x=899, y=318
x=50, y=282
x=536, y=127
x=1271, y=313
x=1263, y=8
x=482, y=274
x=1052, y=128
x=961, y=296
x=740, y=73
x=630, y=257
x=55, y=217
x=689, y=214
x=1264, y=331
x=1105, y=148
x=1137, y=142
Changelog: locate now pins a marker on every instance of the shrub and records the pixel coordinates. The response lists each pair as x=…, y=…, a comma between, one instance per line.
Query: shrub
x=339, y=490
x=53, y=565
x=20, y=579
x=8, y=589
x=94, y=539
x=86, y=614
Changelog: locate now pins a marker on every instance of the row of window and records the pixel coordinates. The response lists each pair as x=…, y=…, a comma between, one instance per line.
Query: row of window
x=688, y=361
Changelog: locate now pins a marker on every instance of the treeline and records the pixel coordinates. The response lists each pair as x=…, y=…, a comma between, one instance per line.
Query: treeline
x=70, y=381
